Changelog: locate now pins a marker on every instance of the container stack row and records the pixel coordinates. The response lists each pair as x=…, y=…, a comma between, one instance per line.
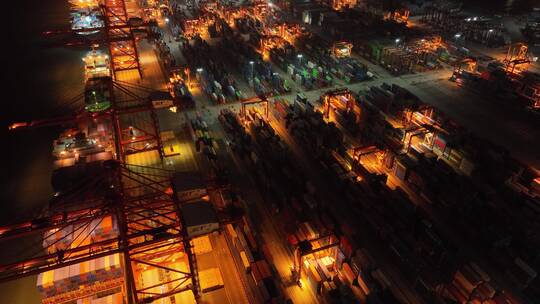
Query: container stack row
x=213, y=75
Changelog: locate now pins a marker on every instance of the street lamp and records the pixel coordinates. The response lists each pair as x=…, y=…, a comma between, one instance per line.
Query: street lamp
x=166, y=20
x=199, y=70
x=251, y=70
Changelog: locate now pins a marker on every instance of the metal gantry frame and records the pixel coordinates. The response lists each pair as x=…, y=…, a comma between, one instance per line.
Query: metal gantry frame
x=467, y=64
x=117, y=33
x=314, y=247
x=150, y=226
x=358, y=152
x=130, y=138
x=517, y=56
x=329, y=95
x=254, y=101
x=150, y=233
x=120, y=37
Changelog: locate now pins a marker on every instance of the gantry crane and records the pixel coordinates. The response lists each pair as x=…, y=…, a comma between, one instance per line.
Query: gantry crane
x=118, y=34
x=120, y=37
x=467, y=64
x=151, y=233
x=149, y=225
x=254, y=101
x=118, y=31
x=129, y=138
x=329, y=97
x=517, y=57
x=151, y=228
x=339, y=5
x=312, y=246
x=342, y=49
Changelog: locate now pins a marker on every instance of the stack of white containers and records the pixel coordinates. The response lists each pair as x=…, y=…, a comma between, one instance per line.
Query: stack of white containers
x=84, y=278
x=58, y=239
x=79, y=276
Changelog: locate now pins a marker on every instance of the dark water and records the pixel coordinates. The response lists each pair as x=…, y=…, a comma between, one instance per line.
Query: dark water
x=36, y=81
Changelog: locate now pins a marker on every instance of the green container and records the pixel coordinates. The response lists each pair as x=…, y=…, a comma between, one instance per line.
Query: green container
x=444, y=57
x=376, y=50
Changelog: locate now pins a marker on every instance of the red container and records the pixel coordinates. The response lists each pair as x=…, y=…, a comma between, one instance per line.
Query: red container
x=292, y=239
x=346, y=247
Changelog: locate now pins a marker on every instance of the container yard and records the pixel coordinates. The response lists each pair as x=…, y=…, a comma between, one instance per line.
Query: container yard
x=286, y=152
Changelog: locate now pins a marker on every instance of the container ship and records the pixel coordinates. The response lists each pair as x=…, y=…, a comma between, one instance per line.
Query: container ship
x=91, y=141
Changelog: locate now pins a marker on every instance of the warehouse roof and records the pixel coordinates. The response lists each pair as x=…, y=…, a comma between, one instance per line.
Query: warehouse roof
x=198, y=213
x=185, y=181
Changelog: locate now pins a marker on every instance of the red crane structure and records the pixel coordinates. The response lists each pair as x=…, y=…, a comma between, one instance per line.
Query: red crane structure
x=119, y=37
x=517, y=58
x=118, y=31
x=312, y=246
x=144, y=135
x=132, y=113
x=150, y=231
x=256, y=100
x=333, y=96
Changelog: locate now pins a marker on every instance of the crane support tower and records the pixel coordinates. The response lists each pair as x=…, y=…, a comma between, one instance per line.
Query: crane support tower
x=120, y=37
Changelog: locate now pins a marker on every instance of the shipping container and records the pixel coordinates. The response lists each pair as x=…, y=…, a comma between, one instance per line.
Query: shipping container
x=245, y=261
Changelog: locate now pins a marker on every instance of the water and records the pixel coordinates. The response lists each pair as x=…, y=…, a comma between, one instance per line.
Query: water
x=37, y=81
